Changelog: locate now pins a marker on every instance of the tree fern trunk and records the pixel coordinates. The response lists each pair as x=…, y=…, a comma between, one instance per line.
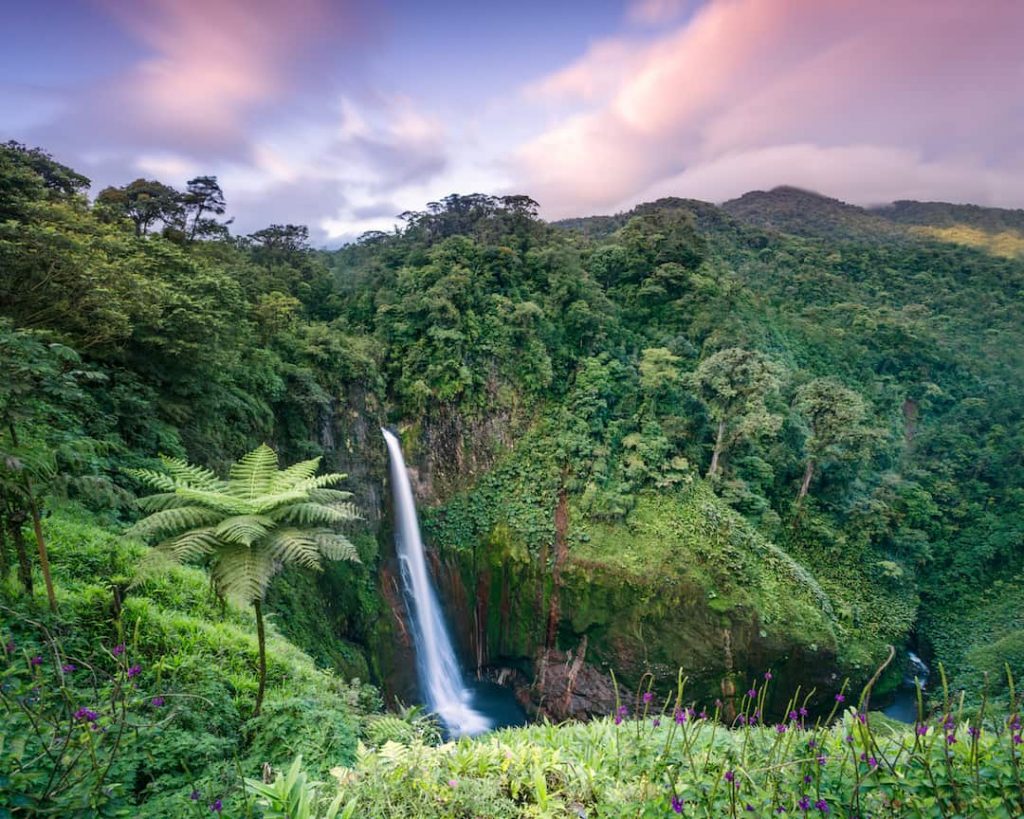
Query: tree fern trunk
x=44, y=557
x=5, y=563
x=14, y=524
x=261, y=638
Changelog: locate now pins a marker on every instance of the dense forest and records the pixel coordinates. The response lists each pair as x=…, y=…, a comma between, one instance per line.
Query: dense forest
x=766, y=440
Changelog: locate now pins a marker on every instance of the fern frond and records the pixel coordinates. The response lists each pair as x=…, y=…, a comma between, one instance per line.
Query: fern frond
x=243, y=529
x=318, y=482
x=329, y=496
x=161, y=501
x=253, y=474
x=152, y=478
x=190, y=546
x=335, y=547
x=186, y=474
x=315, y=514
x=287, y=478
x=171, y=521
x=294, y=546
x=220, y=501
x=243, y=573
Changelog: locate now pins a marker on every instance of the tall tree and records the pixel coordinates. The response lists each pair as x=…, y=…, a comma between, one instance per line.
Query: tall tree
x=203, y=195
x=248, y=527
x=735, y=385
x=145, y=202
x=834, y=416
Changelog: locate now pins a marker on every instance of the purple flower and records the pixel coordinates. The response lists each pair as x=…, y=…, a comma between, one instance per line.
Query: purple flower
x=752, y=693
x=951, y=739
x=872, y=762
x=134, y=671
x=703, y=714
x=808, y=779
x=452, y=783
x=849, y=739
x=974, y=731
x=618, y=719
x=648, y=696
x=1015, y=722
x=780, y=809
x=823, y=760
x=1017, y=739
x=812, y=744
x=9, y=648
x=730, y=776
x=86, y=715
x=680, y=717
x=803, y=711
x=949, y=723
x=69, y=668
x=922, y=730
x=217, y=806
x=749, y=808
x=781, y=728
x=804, y=804
x=767, y=675
x=862, y=719
x=741, y=719
x=118, y=650
x=157, y=702
x=677, y=804
x=37, y=660
x=793, y=715
x=840, y=698
x=656, y=722
x=822, y=805
x=194, y=796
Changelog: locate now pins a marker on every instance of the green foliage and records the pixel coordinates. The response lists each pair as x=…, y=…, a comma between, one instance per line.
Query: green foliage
x=196, y=654
x=291, y=796
x=250, y=525
x=668, y=758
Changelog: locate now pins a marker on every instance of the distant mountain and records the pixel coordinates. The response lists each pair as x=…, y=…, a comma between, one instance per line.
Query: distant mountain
x=804, y=213
x=997, y=230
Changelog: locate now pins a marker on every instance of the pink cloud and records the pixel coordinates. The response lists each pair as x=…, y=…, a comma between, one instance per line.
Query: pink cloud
x=211, y=62
x=932, y=84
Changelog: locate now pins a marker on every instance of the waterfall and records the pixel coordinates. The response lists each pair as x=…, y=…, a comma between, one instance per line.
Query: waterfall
x=917, y=670
x=436, y=665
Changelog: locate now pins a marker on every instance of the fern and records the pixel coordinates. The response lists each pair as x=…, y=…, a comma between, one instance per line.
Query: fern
x=250, y=526
x=253, y=475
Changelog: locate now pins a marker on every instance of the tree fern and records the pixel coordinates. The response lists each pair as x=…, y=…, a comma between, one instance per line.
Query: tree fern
x=248, y=527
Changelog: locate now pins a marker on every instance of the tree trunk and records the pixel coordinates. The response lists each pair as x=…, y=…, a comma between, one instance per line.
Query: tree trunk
x=5, y=563
x=14, y=524
x=261, y=638
x=44, y=557
x=716, y=454
x=806, y=485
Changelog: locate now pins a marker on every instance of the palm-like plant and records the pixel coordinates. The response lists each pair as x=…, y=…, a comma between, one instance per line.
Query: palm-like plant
x=248, y=527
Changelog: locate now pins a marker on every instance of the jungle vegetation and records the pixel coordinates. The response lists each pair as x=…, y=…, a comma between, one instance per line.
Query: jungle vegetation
x=783, y=405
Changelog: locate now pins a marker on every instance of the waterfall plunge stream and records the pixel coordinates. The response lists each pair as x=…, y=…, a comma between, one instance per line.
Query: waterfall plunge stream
x=436, y=664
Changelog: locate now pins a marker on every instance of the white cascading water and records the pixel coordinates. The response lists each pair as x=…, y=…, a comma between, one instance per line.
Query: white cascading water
x=438, y=669
x=917, y=670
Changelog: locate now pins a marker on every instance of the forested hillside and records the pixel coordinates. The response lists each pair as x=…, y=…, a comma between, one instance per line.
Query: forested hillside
x=779, y=434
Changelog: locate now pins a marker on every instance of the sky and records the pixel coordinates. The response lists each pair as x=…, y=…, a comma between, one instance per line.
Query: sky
x=341, y=115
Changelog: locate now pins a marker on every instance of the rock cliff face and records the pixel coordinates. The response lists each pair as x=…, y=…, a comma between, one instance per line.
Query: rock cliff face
x=681, y=582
